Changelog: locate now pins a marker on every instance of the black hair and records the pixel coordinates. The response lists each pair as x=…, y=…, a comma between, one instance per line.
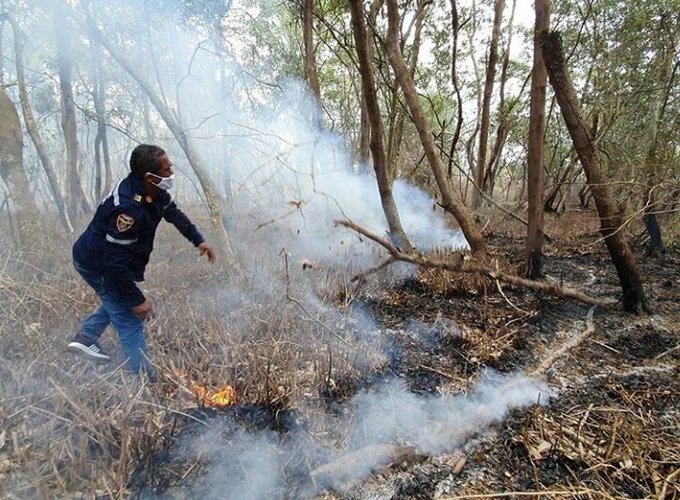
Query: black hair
x=144, y=158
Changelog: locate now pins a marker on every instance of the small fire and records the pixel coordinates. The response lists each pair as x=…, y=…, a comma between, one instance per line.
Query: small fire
x=224, y=396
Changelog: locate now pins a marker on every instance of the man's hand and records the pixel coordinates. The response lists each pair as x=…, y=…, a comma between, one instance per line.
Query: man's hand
x=144, y=310
x=207, y=250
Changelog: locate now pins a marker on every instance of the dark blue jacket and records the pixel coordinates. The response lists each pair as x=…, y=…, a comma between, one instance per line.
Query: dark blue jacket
x=119, y=240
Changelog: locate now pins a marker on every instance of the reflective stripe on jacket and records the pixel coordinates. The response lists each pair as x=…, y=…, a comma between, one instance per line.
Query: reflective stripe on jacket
x=118, y=241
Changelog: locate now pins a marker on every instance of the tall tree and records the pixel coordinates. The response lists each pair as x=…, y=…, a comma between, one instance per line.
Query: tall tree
x=611, y=220
x=101, y=140
x=492, y=61
x=450, y=202
x=310, y=53
x=69, y=127
x=455, y=30
x=31, y=231
x=31, y=124
x=377, y=146
x=535, y=168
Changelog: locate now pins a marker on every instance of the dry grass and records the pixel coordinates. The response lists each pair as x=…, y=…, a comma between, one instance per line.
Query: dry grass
x=70, y=428
x=617, y=446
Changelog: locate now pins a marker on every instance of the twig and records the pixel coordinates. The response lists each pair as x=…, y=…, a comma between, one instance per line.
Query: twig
x=438, y=372
x=317, y=320
x=500, y=290
x=547, y=363
x=672, y=349
x=361, y=276
x=510, y=494
x=156, y=405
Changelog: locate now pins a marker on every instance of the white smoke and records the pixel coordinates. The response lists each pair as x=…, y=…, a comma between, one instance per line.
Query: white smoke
x=251, y=466
x=391, y=413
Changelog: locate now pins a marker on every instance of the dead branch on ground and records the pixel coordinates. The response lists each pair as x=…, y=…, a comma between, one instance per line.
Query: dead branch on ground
x=464, y=265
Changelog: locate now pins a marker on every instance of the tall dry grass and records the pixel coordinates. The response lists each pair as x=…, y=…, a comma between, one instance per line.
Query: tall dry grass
x=72, y=428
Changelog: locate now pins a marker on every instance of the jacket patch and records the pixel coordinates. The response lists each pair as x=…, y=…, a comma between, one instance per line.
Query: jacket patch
x=124, y=222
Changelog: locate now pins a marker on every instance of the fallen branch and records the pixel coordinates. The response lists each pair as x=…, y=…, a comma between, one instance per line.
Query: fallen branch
x=557, y=353
x=359, y=463
x=469, y=266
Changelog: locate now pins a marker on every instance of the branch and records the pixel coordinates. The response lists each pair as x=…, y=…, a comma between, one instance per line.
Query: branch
x=467, y=265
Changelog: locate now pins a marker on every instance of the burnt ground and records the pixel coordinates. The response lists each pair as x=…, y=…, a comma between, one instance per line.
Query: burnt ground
x=612, y=426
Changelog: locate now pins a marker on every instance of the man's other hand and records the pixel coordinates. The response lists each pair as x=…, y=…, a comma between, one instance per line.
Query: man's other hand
x=207, y=250
x=144, y=311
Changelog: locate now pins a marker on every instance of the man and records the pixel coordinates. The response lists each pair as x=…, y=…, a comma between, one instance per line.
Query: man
x=112, y=253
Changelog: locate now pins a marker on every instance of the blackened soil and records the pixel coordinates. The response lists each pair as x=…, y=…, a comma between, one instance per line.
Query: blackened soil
x=610, y=429
x=182, y=464
x=612, y=426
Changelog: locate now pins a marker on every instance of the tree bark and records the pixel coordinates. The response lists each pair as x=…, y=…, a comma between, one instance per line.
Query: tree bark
x=377, y=146
x=101, y=140
x=29, y=225
x=310, y=56
x=610, y=218
x=535, y=170
x=450, y=202
x=499, y=6
x=32, y=127
x=455, y=30
x=76, y=197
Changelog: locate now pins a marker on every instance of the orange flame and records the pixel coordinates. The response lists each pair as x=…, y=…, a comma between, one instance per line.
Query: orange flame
x=224, y=396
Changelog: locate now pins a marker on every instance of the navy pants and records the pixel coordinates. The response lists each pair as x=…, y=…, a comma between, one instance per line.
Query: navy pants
x=113, y=311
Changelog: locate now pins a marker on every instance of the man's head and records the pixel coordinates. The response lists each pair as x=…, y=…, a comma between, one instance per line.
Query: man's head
x=146, y=158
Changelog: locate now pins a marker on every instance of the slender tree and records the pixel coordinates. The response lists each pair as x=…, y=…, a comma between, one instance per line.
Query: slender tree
x=102, y=157
x=492, y=61
x=611, y=220
x=397, y=233
x=535, y=168
x=455, y=30
x=450, y=202
x=31, y=230
x=31, y=124
x=76, y=196
x=310, y=53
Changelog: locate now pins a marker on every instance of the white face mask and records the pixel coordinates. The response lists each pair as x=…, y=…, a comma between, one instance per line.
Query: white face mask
x=164, y=183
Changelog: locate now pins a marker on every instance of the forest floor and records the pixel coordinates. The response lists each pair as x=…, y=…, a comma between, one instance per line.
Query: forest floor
x=612, y=426
x=610, y=429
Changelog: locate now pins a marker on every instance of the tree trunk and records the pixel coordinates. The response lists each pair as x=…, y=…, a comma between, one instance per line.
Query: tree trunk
x=535, y=168
x=499, y=6
x=455, y=29
x=494, y=162
x=396, y=133
x=30, y=228
x=76, y=197
x=450, y=202
x=101, y=141
x=363, y=155
x=175, y=127
x=31, y=125
x=397, y=233
x=652, y=161
x=310, y=56
x=610, y=218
